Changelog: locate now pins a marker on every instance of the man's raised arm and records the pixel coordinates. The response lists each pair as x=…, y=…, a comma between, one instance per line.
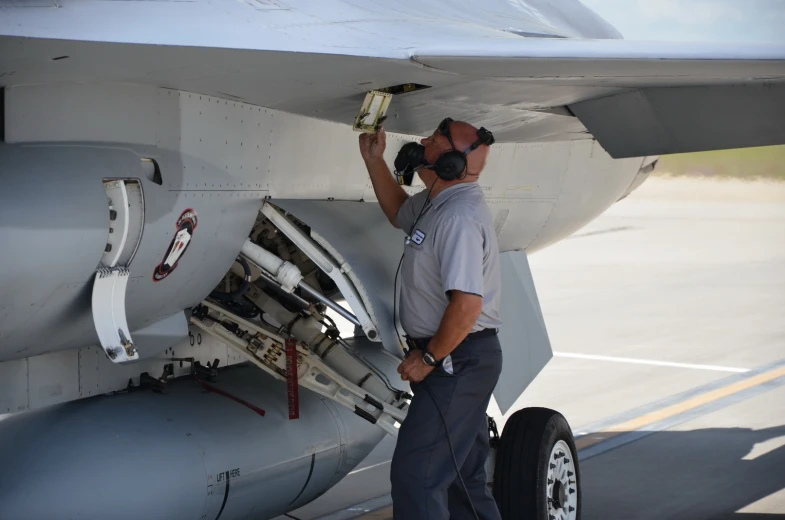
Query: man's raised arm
x=389, y=193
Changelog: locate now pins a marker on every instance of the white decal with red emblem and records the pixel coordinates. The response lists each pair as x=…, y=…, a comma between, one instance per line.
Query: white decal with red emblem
x=186, y=225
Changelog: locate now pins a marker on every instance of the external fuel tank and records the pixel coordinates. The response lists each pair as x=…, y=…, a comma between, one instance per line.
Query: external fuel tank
x=189, y=453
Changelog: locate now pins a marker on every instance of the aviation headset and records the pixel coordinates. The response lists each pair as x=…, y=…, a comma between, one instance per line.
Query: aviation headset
x=452, y=164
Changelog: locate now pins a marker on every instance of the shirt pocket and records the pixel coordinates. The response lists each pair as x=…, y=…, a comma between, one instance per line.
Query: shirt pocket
x=410, y=269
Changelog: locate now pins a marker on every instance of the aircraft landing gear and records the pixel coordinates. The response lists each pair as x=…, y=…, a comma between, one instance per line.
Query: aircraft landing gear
x=536, y=473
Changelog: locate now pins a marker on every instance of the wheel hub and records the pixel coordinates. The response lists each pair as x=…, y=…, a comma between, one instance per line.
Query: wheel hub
x=557, y=498
x=562, y=486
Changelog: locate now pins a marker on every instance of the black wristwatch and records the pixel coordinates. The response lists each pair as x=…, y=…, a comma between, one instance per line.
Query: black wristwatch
x=429, y=360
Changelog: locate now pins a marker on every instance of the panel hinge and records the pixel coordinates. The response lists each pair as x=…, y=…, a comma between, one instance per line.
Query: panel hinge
x=109, y=314
x=126, y=223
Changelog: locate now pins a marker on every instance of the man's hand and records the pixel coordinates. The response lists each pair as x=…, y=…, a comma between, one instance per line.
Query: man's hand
x=387, y=190
x=372, y=146
x=413, y=368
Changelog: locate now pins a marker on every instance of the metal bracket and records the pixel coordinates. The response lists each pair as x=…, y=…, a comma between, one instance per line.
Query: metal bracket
x=315, y=253
x=266, y=351
x=126, y=221
x=108, y=307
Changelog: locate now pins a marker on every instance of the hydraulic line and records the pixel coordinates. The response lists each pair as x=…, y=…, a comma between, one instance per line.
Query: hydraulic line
x=233, y=295
x=289, y=276
x=331, y=304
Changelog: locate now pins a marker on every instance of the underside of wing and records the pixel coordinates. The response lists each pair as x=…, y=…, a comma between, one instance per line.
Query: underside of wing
x=659, y=99
x=635, y=98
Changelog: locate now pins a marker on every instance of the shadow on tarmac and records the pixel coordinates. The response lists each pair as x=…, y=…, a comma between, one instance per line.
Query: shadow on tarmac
x=707, y=474
x=704, y=474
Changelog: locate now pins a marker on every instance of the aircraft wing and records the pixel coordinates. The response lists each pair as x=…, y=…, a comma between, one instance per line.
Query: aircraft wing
x=660, y=97
x=491, y=66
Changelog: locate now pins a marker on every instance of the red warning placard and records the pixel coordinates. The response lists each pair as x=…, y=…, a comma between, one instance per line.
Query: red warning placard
x=291, y=379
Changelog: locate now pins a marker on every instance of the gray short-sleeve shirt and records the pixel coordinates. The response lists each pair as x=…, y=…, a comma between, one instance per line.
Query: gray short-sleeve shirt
x=452, y=247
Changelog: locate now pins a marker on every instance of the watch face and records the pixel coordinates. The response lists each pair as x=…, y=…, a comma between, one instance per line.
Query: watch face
x=429, y=359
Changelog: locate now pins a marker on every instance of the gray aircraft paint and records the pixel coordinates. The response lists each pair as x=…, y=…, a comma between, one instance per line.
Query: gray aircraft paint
x=148, y=455
x=218, y=158
x=319, y=60
x=55, y=223
x=95, y=85
x=524, y=336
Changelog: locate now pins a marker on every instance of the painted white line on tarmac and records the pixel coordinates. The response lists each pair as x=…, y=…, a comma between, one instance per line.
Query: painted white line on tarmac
x=650, y=362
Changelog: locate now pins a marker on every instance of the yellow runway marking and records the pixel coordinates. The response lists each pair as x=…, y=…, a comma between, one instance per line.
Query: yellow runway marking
x=678, y=408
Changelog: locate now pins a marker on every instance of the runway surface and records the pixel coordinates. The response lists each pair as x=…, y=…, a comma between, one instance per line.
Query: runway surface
x=667, y=320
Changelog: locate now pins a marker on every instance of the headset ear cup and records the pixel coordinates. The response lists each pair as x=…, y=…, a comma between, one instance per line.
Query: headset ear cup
x=450, y=165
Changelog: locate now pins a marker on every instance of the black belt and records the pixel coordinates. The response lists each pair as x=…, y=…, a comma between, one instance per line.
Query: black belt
x=484, y=333
x=422, y=343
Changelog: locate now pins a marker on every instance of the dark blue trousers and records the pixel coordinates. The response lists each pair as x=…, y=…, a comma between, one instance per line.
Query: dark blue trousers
x=424, y=482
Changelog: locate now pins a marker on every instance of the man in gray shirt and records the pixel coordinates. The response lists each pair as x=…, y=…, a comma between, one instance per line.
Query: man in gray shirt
x=450, y=298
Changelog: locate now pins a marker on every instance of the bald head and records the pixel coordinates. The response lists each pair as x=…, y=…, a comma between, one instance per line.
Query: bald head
x=463, y=136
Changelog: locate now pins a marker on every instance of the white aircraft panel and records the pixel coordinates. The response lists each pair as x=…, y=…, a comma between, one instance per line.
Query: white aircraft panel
x=314, y=159
x=523, y=336
x=88, y=370
x=233, y=136
x=53, y=378
x=522, y=223
x=13, y=386
x=593, y=182
x=168, y=125
x=537, y=170
x=311, y=158
x=122, y=113
x=56, y=377
x=498, y=170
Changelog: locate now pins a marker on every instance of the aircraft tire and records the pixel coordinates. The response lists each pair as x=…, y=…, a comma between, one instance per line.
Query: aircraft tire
x=535, y=464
